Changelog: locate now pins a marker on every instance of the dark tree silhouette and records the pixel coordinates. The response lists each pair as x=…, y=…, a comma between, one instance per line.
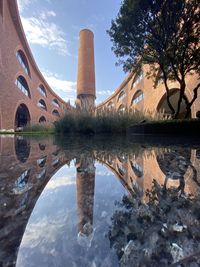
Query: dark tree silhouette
x=163, y=34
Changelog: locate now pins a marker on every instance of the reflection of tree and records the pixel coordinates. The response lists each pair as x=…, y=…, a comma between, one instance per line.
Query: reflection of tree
x=85, y=197
x=161, y=232
x=174, y=164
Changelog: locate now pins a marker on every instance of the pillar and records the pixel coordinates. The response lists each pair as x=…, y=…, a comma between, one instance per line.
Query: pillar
x=86, y=92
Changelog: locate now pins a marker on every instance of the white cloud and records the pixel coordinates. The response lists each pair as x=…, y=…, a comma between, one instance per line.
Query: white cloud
x=64, y=88
x=45, y=14
x=39, y=30
x=104, y=93
x=22, y=4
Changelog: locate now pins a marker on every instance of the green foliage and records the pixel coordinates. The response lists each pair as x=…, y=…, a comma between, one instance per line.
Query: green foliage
x=163, y=34
x=39, y=128
x=104, y=122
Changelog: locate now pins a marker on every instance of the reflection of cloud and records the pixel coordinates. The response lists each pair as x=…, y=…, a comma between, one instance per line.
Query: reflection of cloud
x=38, y=232
x=65, y=89
x=44, y=33
x=104, y=173
x=60, y=181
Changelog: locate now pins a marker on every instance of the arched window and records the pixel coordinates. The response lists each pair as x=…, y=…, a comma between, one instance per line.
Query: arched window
x=42, y=90
x=41, y=162
x=137, y=169
x=138, y=96
x=110, y=105
x=23, y=61
x=41, y=175
x=121, y=96
x=56, y=113
x=55, y=103
x=42, y=119
x=42, y=146
x=21, y=183
x=121, y=108
x=22, y=149
x=121, y=170
x=23, y=86
x=42, y=104
x=138, y=79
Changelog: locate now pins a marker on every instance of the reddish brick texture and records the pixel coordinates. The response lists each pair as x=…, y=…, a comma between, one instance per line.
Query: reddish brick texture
x=138, y=94
x=12, y=40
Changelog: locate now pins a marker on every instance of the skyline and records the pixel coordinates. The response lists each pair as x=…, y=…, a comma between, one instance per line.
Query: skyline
x=52, y=32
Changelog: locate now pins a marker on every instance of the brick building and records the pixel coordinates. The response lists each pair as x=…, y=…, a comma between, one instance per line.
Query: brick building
x=25, y=96
x=137, y=93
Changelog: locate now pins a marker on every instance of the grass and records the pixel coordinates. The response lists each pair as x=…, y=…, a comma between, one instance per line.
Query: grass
x=110, y=122
x=38, y=129
x=104, y=122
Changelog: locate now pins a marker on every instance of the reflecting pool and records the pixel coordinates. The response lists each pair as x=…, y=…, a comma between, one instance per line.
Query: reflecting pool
x=99, y=201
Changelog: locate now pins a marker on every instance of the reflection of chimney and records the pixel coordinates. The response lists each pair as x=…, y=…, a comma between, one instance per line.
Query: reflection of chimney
x=85, y=194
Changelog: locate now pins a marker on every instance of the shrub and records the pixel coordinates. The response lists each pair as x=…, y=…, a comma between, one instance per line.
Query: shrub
x=103, y=122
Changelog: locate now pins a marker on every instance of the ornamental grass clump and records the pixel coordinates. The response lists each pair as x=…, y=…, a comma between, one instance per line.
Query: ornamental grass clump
x=99, y=122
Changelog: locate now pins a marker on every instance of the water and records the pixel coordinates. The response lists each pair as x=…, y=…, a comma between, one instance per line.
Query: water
x=99, y=201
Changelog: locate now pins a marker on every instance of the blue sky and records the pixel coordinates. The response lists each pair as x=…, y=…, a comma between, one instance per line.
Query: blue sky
x=52, y=29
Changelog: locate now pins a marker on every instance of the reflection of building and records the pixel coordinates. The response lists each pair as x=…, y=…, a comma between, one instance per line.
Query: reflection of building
x=85, y=182
x=29, y=172
x=26, y=166
x=168, y=166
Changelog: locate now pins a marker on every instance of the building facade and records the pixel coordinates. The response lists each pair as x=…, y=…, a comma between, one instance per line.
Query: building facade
x=27, y=99
x=25, y=96
x=137, y=93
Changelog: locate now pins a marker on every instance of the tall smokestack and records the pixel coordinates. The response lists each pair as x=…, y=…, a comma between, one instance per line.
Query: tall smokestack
x=86, y=92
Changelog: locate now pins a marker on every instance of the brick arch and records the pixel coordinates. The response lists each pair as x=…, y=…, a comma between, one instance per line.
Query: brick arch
x=42, y=119
x=22, y=85
x=121, y=94
x=11, y=70
x=110, y=105
x=41, y=85
x=121, y=108
x=20, y=50
x=42, y=104
x=27, y=117
x=174, y=95
x=55, y=113
x=21, y=73
x=137, y=100
x=55, y=102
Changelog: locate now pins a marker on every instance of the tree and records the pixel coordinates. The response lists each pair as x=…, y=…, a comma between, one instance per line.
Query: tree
x=165, y=35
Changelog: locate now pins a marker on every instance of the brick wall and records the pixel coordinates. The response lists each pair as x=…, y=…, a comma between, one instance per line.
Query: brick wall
x=13, y=39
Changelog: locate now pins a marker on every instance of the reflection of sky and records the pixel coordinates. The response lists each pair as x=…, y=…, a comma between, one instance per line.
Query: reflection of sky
x=50, y=238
